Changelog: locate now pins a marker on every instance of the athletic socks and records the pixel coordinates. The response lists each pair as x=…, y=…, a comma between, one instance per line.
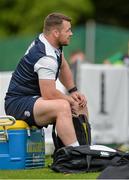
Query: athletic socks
x=76, y=143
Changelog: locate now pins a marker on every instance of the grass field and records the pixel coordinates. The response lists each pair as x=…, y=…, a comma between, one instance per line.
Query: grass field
x=44, y=173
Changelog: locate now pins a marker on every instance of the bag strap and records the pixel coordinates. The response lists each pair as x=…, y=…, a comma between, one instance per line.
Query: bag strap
x=54, y=136
x=121, y=159
x=88, y=159
x=56, y=140
x=87, y=128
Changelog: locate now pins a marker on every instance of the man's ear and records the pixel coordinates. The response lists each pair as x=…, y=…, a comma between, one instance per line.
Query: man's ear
x=56, y=33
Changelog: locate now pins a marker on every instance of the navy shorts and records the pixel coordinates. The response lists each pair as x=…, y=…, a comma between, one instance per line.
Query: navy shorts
x=21, y=108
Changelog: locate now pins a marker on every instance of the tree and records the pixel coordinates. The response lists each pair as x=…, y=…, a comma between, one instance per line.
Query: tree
x=113, y=12
x=26, y=16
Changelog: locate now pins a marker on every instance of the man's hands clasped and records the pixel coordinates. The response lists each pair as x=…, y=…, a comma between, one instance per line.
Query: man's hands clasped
x=78, y=103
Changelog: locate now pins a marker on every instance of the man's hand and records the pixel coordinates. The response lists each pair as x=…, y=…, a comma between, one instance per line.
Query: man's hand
x=75, y=108
x=82, y=102
x=81, y=99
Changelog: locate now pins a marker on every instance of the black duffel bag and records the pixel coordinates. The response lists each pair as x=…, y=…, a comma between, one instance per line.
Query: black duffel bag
x=86, y=158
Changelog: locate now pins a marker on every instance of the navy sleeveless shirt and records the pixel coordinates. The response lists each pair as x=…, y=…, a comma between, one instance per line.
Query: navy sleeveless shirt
x=24, y=81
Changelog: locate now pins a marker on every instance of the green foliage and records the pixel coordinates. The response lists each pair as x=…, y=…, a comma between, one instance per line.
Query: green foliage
x=26, y=16
x=113, y=12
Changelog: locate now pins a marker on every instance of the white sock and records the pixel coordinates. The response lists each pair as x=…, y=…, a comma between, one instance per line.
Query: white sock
x=76, y=143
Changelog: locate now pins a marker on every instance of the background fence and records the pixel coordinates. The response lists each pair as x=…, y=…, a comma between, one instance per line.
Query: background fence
x=97, y=41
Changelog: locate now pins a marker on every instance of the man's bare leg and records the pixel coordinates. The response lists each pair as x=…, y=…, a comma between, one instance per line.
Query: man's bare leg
x=49, y=111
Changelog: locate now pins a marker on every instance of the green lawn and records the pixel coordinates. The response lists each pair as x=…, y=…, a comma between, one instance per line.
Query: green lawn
x=44, y=173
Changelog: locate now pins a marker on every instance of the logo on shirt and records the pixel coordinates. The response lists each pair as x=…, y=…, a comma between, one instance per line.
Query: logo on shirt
x=27, y=113
x=35, y=97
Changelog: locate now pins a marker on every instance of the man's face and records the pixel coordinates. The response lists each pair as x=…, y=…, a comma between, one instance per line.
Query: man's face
x=65, y=34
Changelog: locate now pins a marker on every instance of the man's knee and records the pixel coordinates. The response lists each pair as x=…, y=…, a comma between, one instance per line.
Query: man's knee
x=63, y=105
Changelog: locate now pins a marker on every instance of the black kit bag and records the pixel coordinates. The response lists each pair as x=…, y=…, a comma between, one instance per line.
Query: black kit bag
x=82, y=130
x=85, y=159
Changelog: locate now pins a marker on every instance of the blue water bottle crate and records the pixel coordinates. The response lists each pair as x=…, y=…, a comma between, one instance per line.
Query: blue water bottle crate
x=21, y=147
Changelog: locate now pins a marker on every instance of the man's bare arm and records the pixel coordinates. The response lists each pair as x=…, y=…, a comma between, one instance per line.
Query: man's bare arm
x=66, y=76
